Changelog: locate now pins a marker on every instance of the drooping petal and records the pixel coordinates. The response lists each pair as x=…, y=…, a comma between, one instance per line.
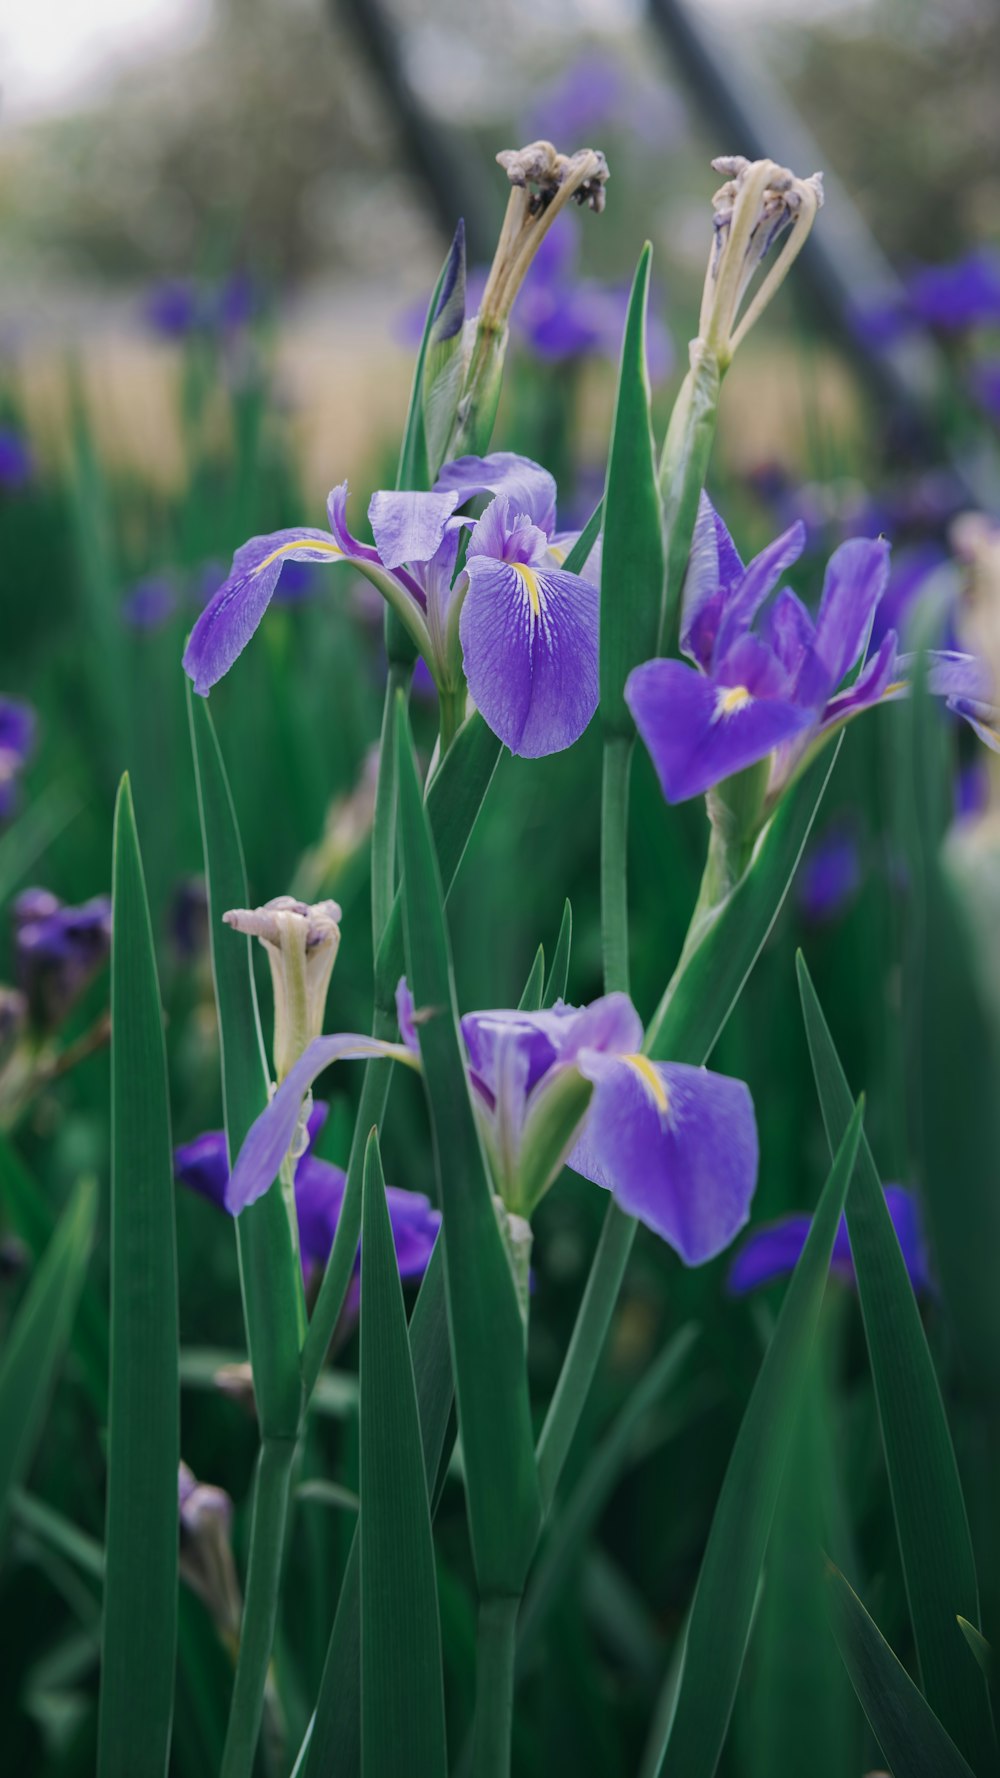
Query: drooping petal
x=336, y=512
x=203, y=1165
x=773, y=1251
x=529, y=488
x=234, y=612
x=409, y=527
x=714, y=570
x=677, y=1146
x=415, y=1224
x=319, y=1195
x=874, y=682
x=699, y=732
x=760, y=578
x=270, y=1137
x=856, y=577
x=530, y=640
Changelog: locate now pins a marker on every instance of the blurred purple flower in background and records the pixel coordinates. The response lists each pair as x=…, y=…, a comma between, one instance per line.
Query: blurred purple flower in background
x=562, y=316
x=175, y=308
x=984, y=379
x=597, y=93
x=188, y=919
x=150, y=604
x=58, y=950
x=772, y=1251
x=961, y=294
x=829, y=876
x=17, y=463
x=319, y=1194
x=17, y=739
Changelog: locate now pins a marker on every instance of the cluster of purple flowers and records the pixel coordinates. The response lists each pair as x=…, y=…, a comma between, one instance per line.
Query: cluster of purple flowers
x=175, y=308
x=58, y=950
x=203, y=1165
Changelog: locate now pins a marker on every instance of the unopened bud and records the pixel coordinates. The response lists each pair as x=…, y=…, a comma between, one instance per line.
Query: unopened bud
x=759, y=205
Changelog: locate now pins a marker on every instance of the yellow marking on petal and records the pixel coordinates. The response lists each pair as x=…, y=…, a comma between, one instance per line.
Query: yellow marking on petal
x=648, y=1075
x=897, y=685
x=733, y=698
x=556, y=550
x=285, y=549
x=529, y=579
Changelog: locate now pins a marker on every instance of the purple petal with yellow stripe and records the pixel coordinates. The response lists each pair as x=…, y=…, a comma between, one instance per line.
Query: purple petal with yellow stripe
x=675, y=1145
x=699, y=731
x=234, y=612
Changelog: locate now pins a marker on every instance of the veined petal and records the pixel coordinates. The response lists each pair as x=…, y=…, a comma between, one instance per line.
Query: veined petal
x=677, y=1146
x=554, y=1035
x=698, y=731
x=563, y=541
x=336, y=511
x=760, y=578
x=856, y=577
x=714, y=570
x=788, y=630
x=270, y=1137
x=530, y=639
x=873, y=683
x=234, y=612
x=409, y=527
x=529, y=487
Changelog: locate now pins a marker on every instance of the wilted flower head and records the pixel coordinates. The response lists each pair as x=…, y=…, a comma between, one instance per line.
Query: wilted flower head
x=301, y=944
x=542, y=182
x=759, y=205
x=17, y=738
x=206, y=1554
x=58, y=950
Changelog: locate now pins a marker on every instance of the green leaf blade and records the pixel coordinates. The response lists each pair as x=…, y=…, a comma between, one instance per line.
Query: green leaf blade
x=931, y=1522
x=37, y=1340
x=486, y=1329
x=909, y=1734
x=270, y=1275
x=723, y=1607
x=402, y=1694
x=632, y=572
x=140, y=1593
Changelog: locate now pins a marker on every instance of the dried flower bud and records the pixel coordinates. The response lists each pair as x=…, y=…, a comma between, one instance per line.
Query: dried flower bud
x=759, y=204
x=301, y=944
x=543, y=181
x=206, y=1555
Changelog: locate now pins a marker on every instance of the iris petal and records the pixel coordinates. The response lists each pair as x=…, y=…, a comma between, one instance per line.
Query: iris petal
x=234, y=612
x=698, y=732
x=856, y=577
x=409, y=527
x=530, y=639
x=529, y=487
x=677, y=1146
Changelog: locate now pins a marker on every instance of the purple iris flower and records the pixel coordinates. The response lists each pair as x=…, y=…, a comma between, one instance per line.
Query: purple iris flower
x=774, y=691
x=830, y=875
x=772, y=1251
x=963, y=294
x=561, y=315
x=177, y=307
x=17, y=463
x=985, y=380
x=319, y=1194
x=58, y=950
x=972, y=790
x=150, y=603
x=172, y=308
x=524, y=632
x=676, y=1145
x=17, y=739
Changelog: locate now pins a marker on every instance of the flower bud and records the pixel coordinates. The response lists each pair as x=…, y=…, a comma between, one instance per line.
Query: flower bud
x=301, y=944
x=206, y=1555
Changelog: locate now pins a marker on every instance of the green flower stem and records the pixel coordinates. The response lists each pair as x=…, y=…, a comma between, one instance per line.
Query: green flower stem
x=683, y=468
x=585, y=1349
x=451, y=708
x=614, y=861
x=495, y=1644
x=272, y=1492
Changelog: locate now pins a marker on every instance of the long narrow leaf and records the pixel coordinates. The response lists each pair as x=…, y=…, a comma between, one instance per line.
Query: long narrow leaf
x=269, y=1271
x=909, y=1734
x=931, y=1522
x=486, y=1330
x=555, y=985
x=722, y=1611
x=402, y=1694
x=140, y=1590
x=37, y=1340
x=632, y=572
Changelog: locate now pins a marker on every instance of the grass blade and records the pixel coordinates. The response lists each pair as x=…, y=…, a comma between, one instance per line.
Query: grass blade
x=402, y=1693
x=722, y=1611
x=486, y=1330
x=269, y=1271
x=909, y=1734
x=140, y=1590
x=555, y=986
x=37, y=1340
x=931, y=1523
x=632, y=576
x=531, y=994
